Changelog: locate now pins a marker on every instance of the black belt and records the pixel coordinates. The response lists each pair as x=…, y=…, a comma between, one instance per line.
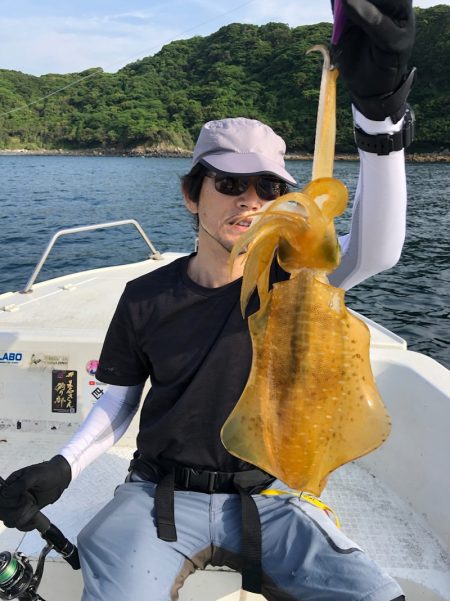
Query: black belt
x=171, y=477
x=188, y=478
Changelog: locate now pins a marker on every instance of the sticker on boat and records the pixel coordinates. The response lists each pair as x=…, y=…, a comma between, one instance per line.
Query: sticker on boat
x=91, y=366
x=64, y=391
x=43, y=360
x=9, y=358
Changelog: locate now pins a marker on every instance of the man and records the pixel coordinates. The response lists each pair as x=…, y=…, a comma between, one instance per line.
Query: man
x=182, y=504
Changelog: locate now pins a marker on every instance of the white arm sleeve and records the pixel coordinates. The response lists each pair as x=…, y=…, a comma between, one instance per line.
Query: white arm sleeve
x=379, y=212
x=105, y=424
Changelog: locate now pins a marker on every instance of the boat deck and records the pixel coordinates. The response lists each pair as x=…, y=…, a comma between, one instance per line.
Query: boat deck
x=386, y=527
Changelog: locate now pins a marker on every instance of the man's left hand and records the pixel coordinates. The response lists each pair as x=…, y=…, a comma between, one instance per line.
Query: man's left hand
x=372, y=55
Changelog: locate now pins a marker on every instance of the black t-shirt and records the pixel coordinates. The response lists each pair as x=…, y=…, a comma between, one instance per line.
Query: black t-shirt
x=195, y=345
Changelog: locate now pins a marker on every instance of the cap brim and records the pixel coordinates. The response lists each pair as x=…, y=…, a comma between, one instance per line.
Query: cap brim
x=246, y=164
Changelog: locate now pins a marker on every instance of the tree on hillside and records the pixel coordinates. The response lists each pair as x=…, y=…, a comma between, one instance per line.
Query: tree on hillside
x=255, y=71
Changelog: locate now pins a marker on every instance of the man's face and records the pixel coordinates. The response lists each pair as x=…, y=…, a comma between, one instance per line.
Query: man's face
x=224, y=218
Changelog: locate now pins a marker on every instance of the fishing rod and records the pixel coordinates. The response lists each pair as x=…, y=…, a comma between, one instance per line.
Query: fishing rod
x=17, y=579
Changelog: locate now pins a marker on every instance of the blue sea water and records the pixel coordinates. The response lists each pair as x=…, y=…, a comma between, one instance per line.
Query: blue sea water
x=42, y=194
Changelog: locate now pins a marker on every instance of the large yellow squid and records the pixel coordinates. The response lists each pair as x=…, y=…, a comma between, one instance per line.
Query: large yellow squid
x=311, y=403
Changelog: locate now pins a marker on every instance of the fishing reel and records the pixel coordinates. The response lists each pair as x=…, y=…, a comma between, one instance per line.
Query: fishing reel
x=17, y=579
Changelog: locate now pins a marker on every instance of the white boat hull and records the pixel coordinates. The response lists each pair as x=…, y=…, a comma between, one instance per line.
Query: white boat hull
x=394, y=502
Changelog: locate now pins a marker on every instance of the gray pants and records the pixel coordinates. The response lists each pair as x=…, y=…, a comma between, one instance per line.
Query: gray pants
x=304, y=555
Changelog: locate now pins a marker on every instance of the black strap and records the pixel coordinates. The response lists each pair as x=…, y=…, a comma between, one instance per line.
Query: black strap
x=251, y=535
x=165, y=508
x=384, y=144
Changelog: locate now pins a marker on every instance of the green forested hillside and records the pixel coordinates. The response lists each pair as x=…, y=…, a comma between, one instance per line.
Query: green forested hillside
x=254, y=71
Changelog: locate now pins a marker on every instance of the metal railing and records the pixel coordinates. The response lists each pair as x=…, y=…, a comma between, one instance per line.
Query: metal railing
x=85, y=228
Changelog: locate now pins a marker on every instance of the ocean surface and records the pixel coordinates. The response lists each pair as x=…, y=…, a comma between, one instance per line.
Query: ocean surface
x=42, y=194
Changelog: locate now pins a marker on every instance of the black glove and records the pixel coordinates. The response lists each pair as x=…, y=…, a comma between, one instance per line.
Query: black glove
x=31, y=488
x=372, y=55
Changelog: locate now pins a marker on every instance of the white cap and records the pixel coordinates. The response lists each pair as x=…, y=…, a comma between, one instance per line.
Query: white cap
x=243, y=147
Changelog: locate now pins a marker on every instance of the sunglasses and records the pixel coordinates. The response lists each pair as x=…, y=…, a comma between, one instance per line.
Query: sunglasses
x=267, y=188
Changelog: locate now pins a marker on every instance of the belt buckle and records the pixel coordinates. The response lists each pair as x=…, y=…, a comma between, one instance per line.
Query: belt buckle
x=201, y=480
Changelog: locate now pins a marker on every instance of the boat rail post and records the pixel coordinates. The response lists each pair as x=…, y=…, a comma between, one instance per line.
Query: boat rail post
x=85, y=228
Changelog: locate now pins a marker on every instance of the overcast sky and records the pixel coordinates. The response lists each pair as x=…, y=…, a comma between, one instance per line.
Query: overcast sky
x=64, y=36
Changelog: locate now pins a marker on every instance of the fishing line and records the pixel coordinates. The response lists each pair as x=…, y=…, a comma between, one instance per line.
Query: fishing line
x=99, y=70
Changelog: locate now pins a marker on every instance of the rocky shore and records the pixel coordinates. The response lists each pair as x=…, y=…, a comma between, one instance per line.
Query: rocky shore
x=174, y=152
x=431, y=157
x=139, y=151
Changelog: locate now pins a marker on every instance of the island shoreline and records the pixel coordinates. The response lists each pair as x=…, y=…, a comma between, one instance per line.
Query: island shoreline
x=142, y=152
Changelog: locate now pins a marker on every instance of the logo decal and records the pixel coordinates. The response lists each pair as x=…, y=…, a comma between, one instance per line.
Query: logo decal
x=14, y=358
x=97, y=393
x=42, y=360
x=91, y=366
